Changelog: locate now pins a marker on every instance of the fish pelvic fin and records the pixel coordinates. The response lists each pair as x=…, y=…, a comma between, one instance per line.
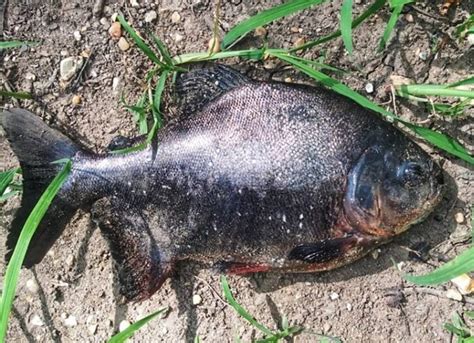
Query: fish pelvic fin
x=36, y=145
x=138, y=263
x=197, y=88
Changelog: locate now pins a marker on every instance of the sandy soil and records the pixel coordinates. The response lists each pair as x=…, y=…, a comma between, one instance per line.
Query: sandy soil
x=72, y=295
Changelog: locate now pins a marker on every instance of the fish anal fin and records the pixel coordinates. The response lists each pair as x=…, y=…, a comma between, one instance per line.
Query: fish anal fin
x=238, y=268
x=322, y=251
x=197, y=88
x=138, y=263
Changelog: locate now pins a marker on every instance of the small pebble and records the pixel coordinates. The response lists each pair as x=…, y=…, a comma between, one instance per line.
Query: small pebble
x=134, y=3
x=423, y=55
x=115, y=30
x=76, y=100
x=334, y=296
x=369, y=88
x=454, y=294
x=116, y=84
x=123, y=44
x=150, y=16
x=409, y=17
x=175, y=17
x=92, y=329
x=470, y=39
x=260, y=31
x=288, y=79
x=349, y=307
x=32, y=286
x=178, y=37
x=299, y=42
x=459, y=217
x=113, y=17
x=98, y=7
x=70, y=260
x=105, y=23
x=294, y=29
x=326, y=327
x=123, y=325
x=70, y=321
x=214, y=45
x=77, y=35
x=36, y=320
x=197, y=299
x=30, y=76
x=69, y=67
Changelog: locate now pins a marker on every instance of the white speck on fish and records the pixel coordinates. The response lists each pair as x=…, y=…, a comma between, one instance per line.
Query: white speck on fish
x=283, y=218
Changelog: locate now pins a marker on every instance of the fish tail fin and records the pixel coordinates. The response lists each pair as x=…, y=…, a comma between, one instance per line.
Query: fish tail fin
x=36, y=145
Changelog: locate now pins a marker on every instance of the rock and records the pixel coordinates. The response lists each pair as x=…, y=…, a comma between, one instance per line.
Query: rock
x=70, y=321
x=115, y=30
x=178, y=37
x=76, y=100
x=70, y=260
x=326, y=327
x=260, y=31
x=36, y=320
x=214, y=45
x=69, y=67
x=453, y=294
x=197, y=299
x=470, y=39
x=409, y=17
x=77, y=35
x=123, y=325
x=123, y=44
x=349, y=307
x=134, y=3
x=334, y=296
x=369, y=88
x=105, y=23
x=116, y=84
x=423, y=55
x=92, y=329
x=97, y=8
x=175, y=17
x=299, y=42
x=150, y=16
x=459, y=217
x=32, y=286
x=30, y=76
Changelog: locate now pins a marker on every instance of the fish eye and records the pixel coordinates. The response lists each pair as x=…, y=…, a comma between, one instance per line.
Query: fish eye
x=411, y=174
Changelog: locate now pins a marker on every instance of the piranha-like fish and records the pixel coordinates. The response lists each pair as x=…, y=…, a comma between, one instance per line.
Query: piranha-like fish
x=253, y=176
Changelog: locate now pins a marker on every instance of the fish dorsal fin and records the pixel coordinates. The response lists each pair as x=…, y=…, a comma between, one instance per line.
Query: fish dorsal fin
x=197, y=88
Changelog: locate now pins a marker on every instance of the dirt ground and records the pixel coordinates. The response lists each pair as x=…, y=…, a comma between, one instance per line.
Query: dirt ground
x=72, y=296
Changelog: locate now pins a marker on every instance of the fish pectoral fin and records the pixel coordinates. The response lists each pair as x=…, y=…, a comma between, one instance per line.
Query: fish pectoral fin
x=197, y=88
x=138, y=263
x=322, y=251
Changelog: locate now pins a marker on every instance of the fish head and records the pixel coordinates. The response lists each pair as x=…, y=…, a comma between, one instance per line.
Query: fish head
x=390, y=188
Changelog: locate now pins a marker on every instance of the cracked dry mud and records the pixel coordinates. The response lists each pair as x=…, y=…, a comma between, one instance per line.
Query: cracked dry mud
x=72, y=296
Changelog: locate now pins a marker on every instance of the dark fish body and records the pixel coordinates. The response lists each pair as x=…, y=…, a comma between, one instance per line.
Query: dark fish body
x=253, y=176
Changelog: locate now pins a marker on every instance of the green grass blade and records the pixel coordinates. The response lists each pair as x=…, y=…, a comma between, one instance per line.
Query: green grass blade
x=389, y=28
x=434, y=90
x=139, y=42
x=6, y=178
x=240, y=30
x=438, y=139
x=468, y=81
x=346, y=24
x=240, y=310
x=14, y=266
x=461, y=264
x=253, y=54
x=163, y=51
x=128, y=332
x=374, y=8
x=16, y=95
x=15, y=44
x=158, y=122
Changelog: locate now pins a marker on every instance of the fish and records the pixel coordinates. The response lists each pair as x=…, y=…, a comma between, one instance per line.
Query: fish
x=252, y=176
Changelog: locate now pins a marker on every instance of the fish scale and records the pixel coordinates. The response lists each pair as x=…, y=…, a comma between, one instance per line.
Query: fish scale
x=253, y=176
